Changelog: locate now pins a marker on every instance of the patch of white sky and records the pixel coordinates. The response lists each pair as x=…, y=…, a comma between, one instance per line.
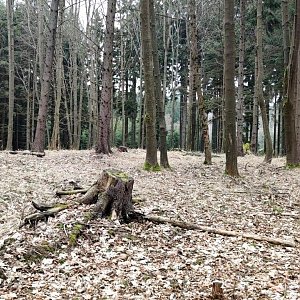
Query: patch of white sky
x=88, y=9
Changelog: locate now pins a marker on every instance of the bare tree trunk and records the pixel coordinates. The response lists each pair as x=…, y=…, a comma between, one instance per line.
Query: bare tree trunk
x=39, y=140
x=240, y=102
x=286, y=54
x=28, y=109
x=254, y=132
x=158, y=94
x=122, y=71
x=259, y=85
x=191, y=129
x=55, y=139
x=291, y=105
x=106, y=94
x=175, y=56
x=11, y=83
x=229, y=89
x=150, y=111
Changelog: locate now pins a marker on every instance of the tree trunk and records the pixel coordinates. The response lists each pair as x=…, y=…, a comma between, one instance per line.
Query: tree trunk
x=11, y=84
x=55, y=139
x=150, y=110
x=259, y=85
x=160, y=101
x=106, y=93
x=229, y=89
x=39, y=140
x=254, y=132
x=240, y=102
x=191, y=132
x=286, y=54
x=291, y=103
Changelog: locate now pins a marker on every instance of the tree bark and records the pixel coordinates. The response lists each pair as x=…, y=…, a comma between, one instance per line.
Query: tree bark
x=107, y=88
x=160, y=101
x=240, y=102
x=39, y=140
x=55, y=139
x=286, y=53
x=11, y=80
x=291, y=103
x=229, y=73
x=259, y=85
x=150, y=109
x=191, y=131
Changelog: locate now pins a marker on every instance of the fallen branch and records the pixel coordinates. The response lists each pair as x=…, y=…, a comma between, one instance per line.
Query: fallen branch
x=71, y=192
x=290, y=215
x=190, y=226
x=44, y=213
x=27, y=152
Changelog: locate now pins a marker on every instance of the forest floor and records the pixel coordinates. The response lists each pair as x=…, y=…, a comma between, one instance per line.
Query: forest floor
x=147, y=260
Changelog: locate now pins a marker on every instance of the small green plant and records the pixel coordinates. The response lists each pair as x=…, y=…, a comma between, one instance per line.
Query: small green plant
x=292, y=166
x=151, y=168
x=246, y=148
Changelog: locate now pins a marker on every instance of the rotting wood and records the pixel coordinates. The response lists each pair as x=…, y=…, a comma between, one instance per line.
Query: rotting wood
x=27, y=152
x=112, y=193
x=190, y=226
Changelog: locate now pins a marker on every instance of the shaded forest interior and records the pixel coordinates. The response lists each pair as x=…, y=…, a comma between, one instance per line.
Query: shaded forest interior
x=76, y=88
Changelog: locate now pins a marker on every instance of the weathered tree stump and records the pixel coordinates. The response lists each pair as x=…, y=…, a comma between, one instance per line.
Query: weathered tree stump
x=112, y=193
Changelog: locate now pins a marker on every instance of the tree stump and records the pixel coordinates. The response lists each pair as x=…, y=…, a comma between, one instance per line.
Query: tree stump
x=112, y=193
x=217, y=291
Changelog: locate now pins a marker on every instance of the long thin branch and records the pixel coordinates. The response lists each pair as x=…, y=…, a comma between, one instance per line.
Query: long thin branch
x=186, y=225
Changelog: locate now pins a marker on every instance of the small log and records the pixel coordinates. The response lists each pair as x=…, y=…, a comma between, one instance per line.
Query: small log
x=122, y=149
x=27, y=152
x=190, y=226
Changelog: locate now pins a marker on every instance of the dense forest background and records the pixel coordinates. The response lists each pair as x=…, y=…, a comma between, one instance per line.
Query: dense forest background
x=74, y=98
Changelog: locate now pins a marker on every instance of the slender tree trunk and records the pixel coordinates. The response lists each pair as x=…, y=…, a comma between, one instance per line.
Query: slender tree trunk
x=150, y=111
x=11, y=81
x=229, y=89
x=286, y=53
x=123, y=96
x=55, y=139
x=240, y=102
x=39, y=140
x=259, y=85
x=191, y=133
x=106, y=94
x=254, y=131
x=28, y=110
x=160, y=101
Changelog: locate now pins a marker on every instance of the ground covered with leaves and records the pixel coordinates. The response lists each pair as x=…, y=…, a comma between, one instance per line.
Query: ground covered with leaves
x=146, y=260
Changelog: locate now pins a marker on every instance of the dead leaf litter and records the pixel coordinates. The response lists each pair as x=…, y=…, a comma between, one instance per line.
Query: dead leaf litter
x=147, y=260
